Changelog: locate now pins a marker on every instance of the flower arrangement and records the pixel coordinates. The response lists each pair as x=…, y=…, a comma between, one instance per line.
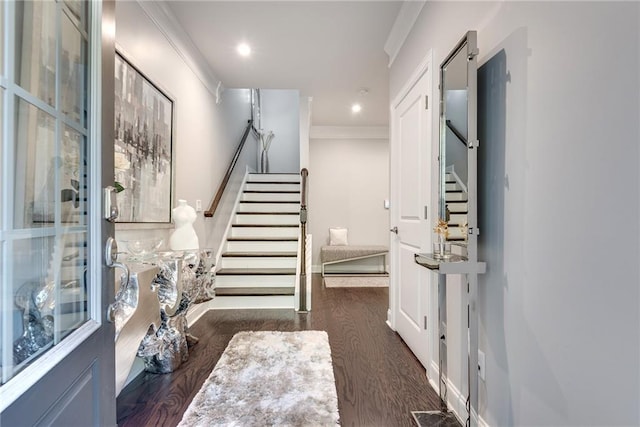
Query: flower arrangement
x=442, y=229
x=441, y=248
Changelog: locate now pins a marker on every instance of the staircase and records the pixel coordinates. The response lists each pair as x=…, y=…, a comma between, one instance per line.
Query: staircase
x=456, y=201
x=258, y=265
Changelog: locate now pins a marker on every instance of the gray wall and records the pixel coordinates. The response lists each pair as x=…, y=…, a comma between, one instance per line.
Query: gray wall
x=348, y=183
x=206, y=133
x=280, y=112
x=456, y=152
x=559, y=211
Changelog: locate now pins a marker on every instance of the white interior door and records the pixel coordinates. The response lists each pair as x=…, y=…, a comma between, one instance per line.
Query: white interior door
x=56, y=92
x=411, y=206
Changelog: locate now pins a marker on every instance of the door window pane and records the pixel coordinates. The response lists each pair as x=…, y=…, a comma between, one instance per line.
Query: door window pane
x=73, y=179
x=72, y=71
x=34, y=293
x=35, y=167
x=72, y=262
x=77, y=10
x=35, y=47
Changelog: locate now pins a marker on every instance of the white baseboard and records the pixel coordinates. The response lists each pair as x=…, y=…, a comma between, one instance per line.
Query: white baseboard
x=196, y=311
x=456, y=401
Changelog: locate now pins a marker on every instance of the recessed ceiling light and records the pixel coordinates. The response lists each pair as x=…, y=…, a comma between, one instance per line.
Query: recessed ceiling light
x=244, y=49
x=356, y=108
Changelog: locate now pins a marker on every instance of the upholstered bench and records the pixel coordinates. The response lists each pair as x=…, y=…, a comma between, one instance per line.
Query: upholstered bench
x=339, y=260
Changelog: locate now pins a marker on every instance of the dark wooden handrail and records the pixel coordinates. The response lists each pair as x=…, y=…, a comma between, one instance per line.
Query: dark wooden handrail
x=457, y=133
x=303, y=245
x=223, y=185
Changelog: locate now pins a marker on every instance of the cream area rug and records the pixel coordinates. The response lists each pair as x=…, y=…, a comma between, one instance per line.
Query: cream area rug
x=269, y=379
x=356, y=282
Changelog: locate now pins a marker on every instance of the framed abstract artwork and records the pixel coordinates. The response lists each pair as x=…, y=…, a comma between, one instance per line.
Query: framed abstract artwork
x=143, y=146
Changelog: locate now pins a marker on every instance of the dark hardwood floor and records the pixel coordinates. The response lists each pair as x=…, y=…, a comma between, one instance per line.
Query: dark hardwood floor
x=378, y=379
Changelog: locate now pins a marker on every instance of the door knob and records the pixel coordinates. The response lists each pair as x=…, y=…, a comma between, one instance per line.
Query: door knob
x=394, y=230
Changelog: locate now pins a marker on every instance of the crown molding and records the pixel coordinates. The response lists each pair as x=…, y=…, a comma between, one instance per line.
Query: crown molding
x=402, y=26
x=161, y=15
x=349, y=132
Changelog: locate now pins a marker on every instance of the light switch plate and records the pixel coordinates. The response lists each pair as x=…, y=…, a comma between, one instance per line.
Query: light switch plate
x=198, y=205
x=386, y=203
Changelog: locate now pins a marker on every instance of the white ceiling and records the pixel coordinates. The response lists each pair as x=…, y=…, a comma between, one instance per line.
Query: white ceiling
x=329, y=50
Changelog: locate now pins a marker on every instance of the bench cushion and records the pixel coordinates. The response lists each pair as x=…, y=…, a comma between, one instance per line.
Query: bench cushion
x=337, y=253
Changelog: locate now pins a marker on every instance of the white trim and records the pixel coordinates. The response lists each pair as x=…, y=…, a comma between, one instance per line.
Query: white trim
x=349, y=132
x=162, y=16
x=401, y=28
x=388, y=321
x=452, y=170
x=415, y=77
x=195, y=313
x=456, y=401
x=232, y=218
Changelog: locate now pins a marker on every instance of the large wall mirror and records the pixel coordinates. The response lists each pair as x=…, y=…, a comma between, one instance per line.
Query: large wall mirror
x=457, y=137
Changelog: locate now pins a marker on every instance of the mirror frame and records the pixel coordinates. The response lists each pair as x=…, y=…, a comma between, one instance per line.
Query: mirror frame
x=467, y=45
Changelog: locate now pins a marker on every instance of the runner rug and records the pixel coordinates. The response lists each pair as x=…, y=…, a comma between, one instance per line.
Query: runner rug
x=269, y=378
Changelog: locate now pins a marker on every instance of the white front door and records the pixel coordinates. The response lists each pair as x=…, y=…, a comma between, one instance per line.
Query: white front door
x=56, y=92
x=411, y=205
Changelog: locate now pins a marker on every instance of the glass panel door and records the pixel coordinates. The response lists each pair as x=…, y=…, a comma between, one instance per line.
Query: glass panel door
x=44, y=234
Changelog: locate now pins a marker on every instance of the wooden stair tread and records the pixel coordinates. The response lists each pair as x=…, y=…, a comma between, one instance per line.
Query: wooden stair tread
x=267, y=225
x=256, y=272
x=273, y=182
x=272, y=191
x=267, y=213
x=259, y=254
x=292, y=202
x=251, y=291
x=262, y=239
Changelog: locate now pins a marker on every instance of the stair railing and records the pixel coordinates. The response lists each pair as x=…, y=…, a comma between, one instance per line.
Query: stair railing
x=457, y=133
x=223, y=185
x=303, y=234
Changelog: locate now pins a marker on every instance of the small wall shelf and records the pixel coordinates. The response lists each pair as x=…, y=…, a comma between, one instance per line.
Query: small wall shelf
x=453, y=264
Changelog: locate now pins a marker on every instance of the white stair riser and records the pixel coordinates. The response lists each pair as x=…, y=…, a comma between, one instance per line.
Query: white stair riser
x=268, y=219
x=255, y=281
x=252, y=302
x=458, y=219
x=274, y=177
x=272, y=187
x=455, y=233
x=271, y=197
x=455, y=196
x=269, y=207
x=258, y=246
x=451, y=186
x=265, y=231
x=258, y=262
x=449, y=176
x=457, y=207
